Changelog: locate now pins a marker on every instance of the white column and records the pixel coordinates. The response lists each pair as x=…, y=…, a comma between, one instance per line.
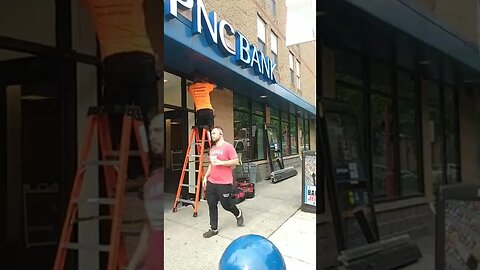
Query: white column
x=88, y=231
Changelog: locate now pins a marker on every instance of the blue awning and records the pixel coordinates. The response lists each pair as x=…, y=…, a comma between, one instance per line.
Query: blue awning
x=409, y=20
x=191, y=54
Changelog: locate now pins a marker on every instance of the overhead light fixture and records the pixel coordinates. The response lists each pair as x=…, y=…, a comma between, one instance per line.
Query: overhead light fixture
x=165, y=80
x=263, y=96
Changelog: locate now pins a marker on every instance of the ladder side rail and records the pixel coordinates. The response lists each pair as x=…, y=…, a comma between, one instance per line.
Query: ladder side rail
x=74, y=196
x=184, y=168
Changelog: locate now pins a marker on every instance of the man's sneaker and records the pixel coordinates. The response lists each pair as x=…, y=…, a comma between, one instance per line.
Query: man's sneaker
x=210, y=233
x=240, y=219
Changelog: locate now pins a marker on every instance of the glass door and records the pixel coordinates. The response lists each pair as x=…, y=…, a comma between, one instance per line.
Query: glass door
x=351, y=190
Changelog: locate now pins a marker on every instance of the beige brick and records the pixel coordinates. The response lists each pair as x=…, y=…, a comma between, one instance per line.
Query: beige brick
x=222, y=102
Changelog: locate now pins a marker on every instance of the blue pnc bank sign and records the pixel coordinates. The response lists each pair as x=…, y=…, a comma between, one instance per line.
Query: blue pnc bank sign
x=245, y=54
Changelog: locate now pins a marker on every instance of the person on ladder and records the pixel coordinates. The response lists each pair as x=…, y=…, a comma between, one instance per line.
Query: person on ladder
x=130, y=51
x=204, y=114
x=131, y=46
x=219, y=180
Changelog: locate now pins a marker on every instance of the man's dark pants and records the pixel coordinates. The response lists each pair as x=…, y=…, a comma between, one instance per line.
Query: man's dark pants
x=216, y=193
x=130, y=79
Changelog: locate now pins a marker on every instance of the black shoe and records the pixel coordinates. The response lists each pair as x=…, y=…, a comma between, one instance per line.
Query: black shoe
x=210, y=233
x=240, y=219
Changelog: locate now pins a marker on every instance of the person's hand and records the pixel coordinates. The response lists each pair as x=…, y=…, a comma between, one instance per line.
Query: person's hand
x=204, y=181
x=214, y=161
x=218, y=162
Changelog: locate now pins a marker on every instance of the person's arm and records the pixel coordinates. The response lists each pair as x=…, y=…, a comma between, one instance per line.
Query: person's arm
x=207, y=174
x=230, y=162
x=232, y=158
x=141, y=251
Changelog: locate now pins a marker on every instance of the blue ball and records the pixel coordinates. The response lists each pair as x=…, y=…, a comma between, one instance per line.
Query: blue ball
x=252, y=252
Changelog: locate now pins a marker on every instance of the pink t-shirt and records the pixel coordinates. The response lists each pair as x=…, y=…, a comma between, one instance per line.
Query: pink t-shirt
x=222, y=174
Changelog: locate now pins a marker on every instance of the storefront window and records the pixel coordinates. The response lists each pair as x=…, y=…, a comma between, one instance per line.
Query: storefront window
x=240, y=103
x=249, y=130
x=172, y=89
x=258, y=137
x=405, y=84
x=241, y=125
x=285, y=138
x=348, y=68
x=407, y=135
x=351, y=95
x=293, y=135
x=382, y=146
x=404, y=51
x=452, y=168
x=301, y=133
x=380, y=77
x=435, y=131
x=307, y=135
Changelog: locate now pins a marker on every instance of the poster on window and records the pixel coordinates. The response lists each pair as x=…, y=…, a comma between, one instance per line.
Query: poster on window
x=310, y=183
x=310, y=195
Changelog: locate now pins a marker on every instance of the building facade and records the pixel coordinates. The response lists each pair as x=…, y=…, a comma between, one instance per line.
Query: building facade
x=245, y=99
x=411, y=72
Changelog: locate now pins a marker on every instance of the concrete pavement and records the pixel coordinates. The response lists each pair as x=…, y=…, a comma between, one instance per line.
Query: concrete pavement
x=273, y=213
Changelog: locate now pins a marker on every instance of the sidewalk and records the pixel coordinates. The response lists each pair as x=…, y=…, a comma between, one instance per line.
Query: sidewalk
x=273, y=213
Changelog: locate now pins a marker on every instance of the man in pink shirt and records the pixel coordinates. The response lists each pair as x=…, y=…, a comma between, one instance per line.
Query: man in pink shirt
x=219, y=179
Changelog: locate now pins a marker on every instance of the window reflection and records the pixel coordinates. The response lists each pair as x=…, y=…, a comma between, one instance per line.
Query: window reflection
x=249, y=133
x=172, y=89
x=382, y=146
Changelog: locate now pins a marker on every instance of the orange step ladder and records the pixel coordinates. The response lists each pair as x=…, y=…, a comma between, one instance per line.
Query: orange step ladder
x=198, y=143
x=115, y=165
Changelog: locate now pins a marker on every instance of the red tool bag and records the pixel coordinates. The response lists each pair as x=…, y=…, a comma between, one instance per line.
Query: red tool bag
x=238, y=195
x=243, y=190
x=248, y=188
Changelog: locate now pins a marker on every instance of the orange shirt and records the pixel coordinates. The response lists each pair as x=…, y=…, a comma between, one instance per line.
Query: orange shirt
x=120, y=26
x=201, y=95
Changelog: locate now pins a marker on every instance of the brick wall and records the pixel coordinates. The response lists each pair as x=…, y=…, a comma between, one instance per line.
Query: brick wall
x=307, y=58
x=222, y=102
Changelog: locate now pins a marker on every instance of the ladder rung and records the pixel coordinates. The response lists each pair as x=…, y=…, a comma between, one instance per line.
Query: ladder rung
x=81, y=219
x=101, y=163
x=108, y=201
x=77, y=246
x=196, y=155
x=187, y=185
x=185, y=201
x=187, y=170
